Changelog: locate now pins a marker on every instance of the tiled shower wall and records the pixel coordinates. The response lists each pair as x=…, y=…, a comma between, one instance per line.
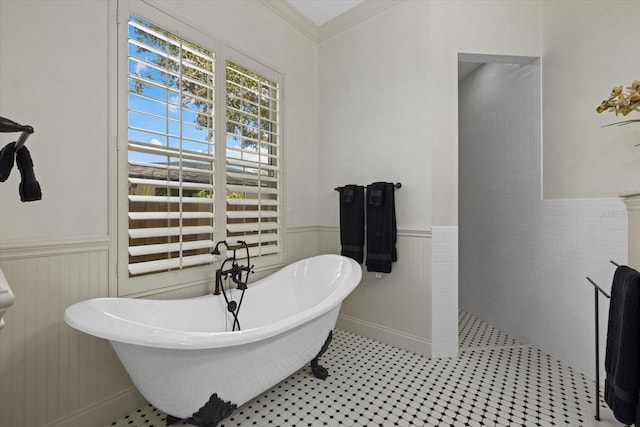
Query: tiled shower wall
x=523, y=260
x=444, y=292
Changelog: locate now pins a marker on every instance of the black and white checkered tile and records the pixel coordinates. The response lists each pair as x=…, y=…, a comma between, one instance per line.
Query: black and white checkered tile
x=474, y=333
x=495, y=382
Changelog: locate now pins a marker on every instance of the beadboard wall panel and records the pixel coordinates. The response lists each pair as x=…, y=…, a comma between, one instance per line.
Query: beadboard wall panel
x=395, y=308
x=51, y=374
x=302, y=242
x=49, y=371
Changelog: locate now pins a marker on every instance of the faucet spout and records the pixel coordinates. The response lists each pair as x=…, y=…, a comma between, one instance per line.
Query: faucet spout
x=216, y=251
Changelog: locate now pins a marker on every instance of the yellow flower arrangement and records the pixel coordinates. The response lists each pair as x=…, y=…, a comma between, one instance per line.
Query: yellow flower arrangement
x=621, y=103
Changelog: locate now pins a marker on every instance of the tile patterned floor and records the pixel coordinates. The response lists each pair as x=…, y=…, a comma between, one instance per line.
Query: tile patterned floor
x=473, y=333
x=495, y=381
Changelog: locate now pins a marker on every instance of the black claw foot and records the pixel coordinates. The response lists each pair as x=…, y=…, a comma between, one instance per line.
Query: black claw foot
x=172, y=420
x=214, y=411
x=319, y=371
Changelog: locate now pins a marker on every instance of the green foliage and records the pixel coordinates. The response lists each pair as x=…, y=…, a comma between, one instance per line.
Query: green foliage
x=251, y=114
x=141, y=190
x=205, y=194
x=193, y=80
x=250, y=106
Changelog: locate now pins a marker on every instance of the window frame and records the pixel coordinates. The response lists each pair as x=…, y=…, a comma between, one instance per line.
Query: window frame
x=199, y=275
x=244, y=61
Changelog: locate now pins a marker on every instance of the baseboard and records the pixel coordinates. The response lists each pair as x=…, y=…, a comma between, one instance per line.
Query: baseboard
x=389, y=336
x=104, y=412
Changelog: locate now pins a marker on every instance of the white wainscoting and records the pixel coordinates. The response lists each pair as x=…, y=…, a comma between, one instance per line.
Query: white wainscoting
x=49, y=373
x=395, y=309
x=301, y=243
x=52, y=375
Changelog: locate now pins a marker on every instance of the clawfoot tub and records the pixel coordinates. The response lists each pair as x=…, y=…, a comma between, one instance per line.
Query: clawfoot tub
x=182, y=358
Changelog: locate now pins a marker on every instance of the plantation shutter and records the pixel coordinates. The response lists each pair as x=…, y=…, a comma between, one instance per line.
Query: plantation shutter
x=253, y=162
x=170, y=151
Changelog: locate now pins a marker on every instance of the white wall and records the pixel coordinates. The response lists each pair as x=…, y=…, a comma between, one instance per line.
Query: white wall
x=53, y=76
x=374, y=107
x=373, y=104
x=584, y=58
x=523, y=261
x=488, y=27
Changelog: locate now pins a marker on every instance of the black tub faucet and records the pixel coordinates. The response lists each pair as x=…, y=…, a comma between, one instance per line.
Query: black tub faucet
x=235, y=272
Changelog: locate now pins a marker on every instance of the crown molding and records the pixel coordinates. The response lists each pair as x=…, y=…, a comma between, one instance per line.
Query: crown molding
x=361, y=12
x=295, y=18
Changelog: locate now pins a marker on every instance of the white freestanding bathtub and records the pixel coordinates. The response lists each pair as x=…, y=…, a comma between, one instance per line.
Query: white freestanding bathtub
x=179, y=354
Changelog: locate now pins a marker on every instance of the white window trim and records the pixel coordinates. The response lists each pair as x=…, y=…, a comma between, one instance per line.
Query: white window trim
x=230, y=54
x=120, y=284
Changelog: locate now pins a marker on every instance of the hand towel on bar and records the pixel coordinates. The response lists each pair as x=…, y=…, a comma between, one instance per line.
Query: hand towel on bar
x=381, y=227
x=352, y=222
x=29, y=187
x=622, y=354
x=7, y=156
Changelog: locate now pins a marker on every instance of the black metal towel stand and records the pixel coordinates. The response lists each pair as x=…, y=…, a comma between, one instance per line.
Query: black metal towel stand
x=597, y=289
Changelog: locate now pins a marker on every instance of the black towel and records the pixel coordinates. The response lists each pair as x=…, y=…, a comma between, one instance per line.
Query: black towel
x=381, y=227
x=7, y=155
x=352, y=222
x=29, y=188
x=622, y=357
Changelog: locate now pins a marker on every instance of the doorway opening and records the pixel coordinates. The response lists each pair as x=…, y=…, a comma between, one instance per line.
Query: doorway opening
x=499, y=104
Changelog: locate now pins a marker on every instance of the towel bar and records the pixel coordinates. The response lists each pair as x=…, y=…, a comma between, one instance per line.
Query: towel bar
x=7, y=125
x=396, y=185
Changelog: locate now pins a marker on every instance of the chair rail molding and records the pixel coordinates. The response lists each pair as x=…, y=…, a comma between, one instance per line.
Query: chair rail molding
x=64, y=246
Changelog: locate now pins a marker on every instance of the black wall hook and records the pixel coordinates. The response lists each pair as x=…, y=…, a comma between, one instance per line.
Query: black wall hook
x=9, y=126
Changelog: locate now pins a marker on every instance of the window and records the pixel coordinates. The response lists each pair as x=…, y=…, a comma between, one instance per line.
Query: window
x=170, y=151
x=253, y=166
x=192, y=176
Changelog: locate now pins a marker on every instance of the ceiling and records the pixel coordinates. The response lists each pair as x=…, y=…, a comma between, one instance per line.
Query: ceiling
x=319, y=12
x=466, y=68
x=322, y=11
